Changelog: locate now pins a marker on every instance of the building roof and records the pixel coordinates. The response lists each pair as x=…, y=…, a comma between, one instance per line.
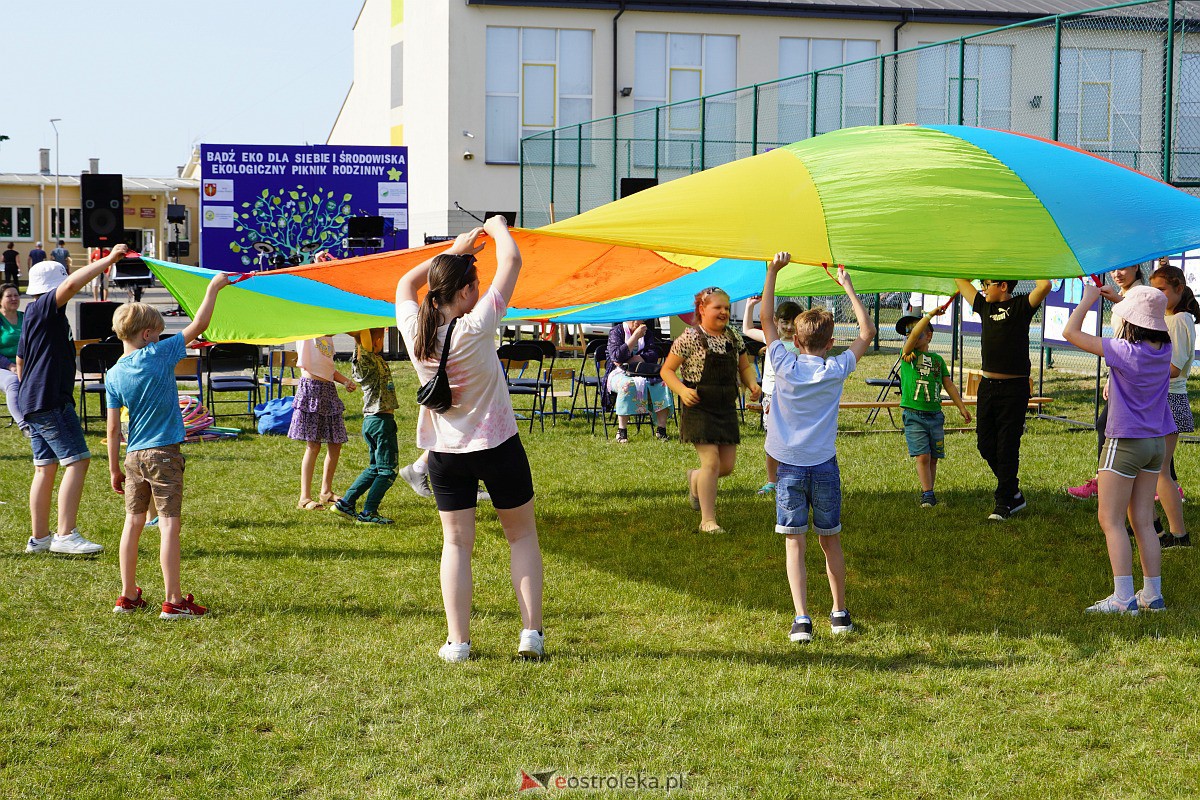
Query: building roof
x=130, y=185
x=917, y=10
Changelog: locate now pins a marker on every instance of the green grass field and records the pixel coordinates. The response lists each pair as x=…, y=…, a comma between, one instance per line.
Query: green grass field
x=973, y=672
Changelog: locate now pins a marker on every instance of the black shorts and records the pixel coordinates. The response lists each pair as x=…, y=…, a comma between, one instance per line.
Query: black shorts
x=504, y=470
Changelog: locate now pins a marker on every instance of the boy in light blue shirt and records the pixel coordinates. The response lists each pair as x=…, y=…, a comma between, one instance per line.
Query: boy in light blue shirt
x=143, y=381
x=804, y=411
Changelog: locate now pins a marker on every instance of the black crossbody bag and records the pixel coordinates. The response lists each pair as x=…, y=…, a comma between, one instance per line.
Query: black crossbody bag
x=435, y=393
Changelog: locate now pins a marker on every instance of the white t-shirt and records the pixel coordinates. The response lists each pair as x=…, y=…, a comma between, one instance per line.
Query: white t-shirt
x=481, y=416
x=315, y=357
x=768, y=378
x=804, y=405
x=1182, y=328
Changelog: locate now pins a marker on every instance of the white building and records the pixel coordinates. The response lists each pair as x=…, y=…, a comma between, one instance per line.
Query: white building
x=459, y=82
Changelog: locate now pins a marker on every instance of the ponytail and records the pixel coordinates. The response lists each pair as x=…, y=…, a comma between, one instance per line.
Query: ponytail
x=448, y=275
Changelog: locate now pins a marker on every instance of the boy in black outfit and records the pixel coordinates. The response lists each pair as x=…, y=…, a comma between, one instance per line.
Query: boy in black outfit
x=1004, y=391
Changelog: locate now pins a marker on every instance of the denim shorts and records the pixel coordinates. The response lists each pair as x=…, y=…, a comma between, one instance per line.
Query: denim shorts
x=925, y=432
x=57, y=437
x=799, y=488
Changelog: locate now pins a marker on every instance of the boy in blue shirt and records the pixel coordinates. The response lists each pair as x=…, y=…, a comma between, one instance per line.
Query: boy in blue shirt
x=143, y=381
x=923, y=376
x=804, y=410
x=46, y=369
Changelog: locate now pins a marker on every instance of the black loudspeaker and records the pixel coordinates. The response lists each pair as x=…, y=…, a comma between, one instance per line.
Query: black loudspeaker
x=509, y=216
x=176, y=213
x=103, y=209
x=133, y=238
x=364, y=228
x=179, y=249
x=634, y=185
x=93, y=320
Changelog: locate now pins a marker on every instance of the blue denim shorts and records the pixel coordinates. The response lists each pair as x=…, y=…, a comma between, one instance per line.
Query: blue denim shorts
x=57, y=437
x=799, y=488
x=925, y=432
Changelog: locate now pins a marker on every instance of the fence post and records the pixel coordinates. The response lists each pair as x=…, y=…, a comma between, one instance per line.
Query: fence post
x=521, y=189
x=614, y=146
x=579, y=169
x=553, y=148
x=812, y=111
x=962, y=76
x=754, y=125
x=882, y=77
x=703, y=131
x=1169, y=93
x=657, y=110
x=1057, y=77
x=877, y=322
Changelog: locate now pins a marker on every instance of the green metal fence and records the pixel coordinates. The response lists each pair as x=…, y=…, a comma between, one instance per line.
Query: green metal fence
x=1121, y=81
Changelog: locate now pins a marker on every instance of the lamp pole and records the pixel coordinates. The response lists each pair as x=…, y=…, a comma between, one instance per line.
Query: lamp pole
x=54, y=217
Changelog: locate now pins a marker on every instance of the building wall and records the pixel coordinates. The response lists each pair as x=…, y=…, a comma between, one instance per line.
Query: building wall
x=144, y=210
x=444, y=51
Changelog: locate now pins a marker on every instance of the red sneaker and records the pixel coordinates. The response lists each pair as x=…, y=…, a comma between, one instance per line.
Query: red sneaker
x=185, y=610
x=126, y=606
x=1085, y=492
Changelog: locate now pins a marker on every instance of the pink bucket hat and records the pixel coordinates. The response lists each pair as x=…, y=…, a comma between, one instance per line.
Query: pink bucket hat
x=1143, y=306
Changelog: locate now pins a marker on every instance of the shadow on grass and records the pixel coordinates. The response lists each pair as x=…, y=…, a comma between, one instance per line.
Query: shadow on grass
x=317, y=554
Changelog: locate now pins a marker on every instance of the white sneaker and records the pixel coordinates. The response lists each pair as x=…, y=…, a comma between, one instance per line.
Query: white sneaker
x=39, y=545
x=419, y=481
x=455, y=653
x=73, y=544
x=482, y=497
x=532, y=645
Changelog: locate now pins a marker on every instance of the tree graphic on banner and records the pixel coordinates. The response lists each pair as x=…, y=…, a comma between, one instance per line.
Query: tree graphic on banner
x=290, y=218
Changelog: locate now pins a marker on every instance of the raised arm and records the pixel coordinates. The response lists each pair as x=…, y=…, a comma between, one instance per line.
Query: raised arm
x=966, y=289
x=781, y=260
x=748, y=329
x=1041, y=290
x=418, y=276
x=1073, y=332
x=508, y=257
x=77, y=280
x=914, y=335
x=199, y=323
x=866, y=328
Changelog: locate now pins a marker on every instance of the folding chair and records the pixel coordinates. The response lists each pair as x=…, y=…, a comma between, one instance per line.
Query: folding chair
x=95, y=360
x=278, y=362
x=232, y=368
x=553, y=380
x=188, y=370
x=523, y=358
x=584, y=381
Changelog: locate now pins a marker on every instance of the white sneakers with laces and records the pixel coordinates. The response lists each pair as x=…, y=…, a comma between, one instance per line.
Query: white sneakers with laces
x=73, y=544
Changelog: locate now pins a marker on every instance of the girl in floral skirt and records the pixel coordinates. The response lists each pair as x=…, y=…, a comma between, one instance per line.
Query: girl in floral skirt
x=317, y=417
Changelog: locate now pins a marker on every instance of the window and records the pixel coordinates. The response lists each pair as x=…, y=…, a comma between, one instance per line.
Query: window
x=74, y=224
x=986, y=86
x=1187, y=119
x=16, y=222
x=846, y=96
x=1100, y=103
x=537, y=79
x=672, y=68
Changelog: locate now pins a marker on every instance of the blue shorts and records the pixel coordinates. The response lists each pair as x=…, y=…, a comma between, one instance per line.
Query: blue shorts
x=57, y=437
x=925, y=432
x=799, y=488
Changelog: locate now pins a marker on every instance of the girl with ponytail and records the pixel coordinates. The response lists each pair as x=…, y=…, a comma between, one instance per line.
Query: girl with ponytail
x=1182, y=313
x=476, y=438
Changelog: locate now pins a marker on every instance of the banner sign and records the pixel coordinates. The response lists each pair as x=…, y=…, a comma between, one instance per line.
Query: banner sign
x=968, y=320
x=295, y=200
x=1065, y=294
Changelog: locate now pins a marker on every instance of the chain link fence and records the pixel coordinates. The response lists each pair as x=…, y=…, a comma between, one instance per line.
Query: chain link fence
x=1112, y=81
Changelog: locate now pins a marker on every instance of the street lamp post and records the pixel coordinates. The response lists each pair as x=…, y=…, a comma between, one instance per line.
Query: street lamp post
x=54, y=217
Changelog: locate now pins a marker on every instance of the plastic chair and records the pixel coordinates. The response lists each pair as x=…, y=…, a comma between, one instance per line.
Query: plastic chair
x=95, y=360
x=523, y=358
x=232, y=368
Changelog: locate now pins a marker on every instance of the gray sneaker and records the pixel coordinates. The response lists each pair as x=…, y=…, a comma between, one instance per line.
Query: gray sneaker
x=419, y=481
x=73, y=544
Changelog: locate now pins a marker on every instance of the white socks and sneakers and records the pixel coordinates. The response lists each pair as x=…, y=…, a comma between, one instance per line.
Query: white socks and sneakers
x=71, y=544
x=532, y=646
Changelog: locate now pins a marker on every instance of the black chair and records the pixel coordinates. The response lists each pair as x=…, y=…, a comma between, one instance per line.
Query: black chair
x=95, y=360
x=523, y=359
x=589, y=382
x=549, y=352
x=232, y=368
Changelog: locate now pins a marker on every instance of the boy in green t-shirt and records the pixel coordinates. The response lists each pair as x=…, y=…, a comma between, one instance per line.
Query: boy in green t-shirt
x=923, y=375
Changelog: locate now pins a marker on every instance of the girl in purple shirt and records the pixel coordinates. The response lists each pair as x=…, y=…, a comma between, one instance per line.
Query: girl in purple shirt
x=1139, y=362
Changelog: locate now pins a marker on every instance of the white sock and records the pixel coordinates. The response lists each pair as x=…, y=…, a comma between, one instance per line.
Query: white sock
x=420, y=467
x=1123, y=587
x=1152, y=587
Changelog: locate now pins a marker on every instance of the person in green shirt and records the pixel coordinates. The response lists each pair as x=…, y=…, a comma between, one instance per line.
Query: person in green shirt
x=923, y=376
